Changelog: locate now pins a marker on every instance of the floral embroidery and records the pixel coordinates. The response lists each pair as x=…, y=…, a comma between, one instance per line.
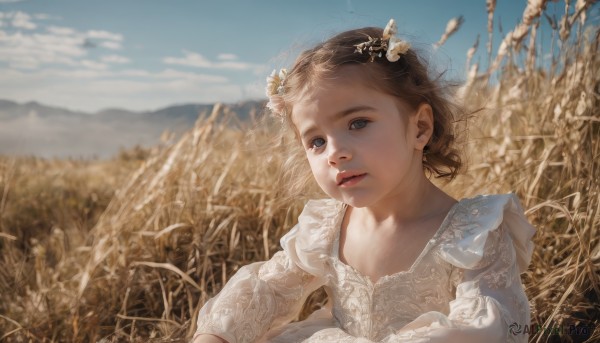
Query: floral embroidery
x=496, y=280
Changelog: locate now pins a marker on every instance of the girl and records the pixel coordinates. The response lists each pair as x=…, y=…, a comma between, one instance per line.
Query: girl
x=401, y=260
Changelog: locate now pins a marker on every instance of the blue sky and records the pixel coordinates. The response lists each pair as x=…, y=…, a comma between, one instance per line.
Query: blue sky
x=148, y=54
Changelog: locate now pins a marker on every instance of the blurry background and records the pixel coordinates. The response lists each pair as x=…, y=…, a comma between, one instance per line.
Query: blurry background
x=85, y=78
x=126, y=235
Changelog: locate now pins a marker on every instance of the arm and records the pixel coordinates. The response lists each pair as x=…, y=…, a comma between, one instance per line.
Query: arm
x=265, y=295
x=259, y=297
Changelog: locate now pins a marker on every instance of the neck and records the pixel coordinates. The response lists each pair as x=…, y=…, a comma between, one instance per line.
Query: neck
x=421, y=200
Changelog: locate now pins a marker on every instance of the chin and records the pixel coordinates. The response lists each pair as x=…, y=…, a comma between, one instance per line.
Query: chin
x=355, y=201
x=357, y=198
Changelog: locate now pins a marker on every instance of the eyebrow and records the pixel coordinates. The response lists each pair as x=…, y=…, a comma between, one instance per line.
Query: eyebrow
x=340, y=115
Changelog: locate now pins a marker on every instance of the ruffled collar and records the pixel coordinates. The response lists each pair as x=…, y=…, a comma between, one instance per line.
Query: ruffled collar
x=461, y=237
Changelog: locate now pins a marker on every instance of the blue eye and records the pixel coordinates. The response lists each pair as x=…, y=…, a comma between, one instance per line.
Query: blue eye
x=313, y=142
x=361, y=123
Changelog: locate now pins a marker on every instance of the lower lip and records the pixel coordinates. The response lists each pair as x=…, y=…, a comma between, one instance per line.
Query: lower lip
x=353, y=181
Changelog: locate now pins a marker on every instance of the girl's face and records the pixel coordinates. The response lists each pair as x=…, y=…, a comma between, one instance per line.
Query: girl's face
x=348, y=128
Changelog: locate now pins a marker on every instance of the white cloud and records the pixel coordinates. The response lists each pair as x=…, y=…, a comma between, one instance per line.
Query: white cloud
x=24, y=63
x=94, y=65
x=79, y=74
x=136, y=73
x=193, y=59
x=200, y=78
x=111, y=45
x=23, y=49
x=9, y=1
x=73, y=74
x=44, y=16
x=23, y=20
x=227, y=57
x=115, y=59
x=105, y=35
x=61, y=31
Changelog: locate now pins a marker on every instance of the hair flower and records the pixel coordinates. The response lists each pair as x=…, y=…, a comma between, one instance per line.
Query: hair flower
x=275, y=82
x=274, y=90
x=390, y=29
x=396, y=48
x=393, y=46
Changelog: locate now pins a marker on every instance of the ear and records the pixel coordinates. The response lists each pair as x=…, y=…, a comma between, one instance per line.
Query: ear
x=424, y=121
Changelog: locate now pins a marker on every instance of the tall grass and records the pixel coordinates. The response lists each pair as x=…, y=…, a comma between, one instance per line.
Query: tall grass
x=123, y=251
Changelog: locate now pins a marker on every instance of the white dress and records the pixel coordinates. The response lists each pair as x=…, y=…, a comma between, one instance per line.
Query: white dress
x=465, y=285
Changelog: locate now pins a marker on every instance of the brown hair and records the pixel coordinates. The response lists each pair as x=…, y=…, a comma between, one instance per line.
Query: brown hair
x=407, y=79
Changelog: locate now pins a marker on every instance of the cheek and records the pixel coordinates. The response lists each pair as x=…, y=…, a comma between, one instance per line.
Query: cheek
x=387, y=147
x=382, y=142
x=317, y=167
x=314, y=164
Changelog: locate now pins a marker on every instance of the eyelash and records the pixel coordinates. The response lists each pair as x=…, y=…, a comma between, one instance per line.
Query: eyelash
x=360, y=121
x=312, y=141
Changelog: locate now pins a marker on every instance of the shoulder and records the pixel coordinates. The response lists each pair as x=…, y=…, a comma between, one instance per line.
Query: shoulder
x=480, y=223
x=309, y=242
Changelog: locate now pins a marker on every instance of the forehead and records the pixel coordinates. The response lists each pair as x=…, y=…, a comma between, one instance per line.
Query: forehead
x=343, y=84
x=332, y=98
x=319, y=100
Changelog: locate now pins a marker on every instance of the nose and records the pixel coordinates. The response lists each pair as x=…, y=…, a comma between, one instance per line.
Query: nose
x=337, y=151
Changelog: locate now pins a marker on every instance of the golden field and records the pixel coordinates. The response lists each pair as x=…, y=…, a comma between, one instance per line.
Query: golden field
x=129, y=249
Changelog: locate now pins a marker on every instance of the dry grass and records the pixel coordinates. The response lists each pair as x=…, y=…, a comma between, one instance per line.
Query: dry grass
x=128, y=251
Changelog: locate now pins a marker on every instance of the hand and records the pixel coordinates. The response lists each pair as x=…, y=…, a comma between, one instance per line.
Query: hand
x=207, y=338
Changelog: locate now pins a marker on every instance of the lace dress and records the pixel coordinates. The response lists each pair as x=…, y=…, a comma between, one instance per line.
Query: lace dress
x=465, y=285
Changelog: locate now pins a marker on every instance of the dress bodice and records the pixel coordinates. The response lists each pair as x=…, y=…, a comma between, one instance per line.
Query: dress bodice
x=377, y=309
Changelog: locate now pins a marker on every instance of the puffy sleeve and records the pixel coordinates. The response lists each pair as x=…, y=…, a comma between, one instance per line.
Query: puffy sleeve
x=265, y=295
x=489, y=245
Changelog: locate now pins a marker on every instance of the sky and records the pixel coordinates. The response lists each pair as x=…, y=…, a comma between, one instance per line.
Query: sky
x=148, y=54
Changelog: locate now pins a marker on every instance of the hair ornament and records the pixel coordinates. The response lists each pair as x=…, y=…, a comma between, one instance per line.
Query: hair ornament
x=275, y=89
x=393, y=46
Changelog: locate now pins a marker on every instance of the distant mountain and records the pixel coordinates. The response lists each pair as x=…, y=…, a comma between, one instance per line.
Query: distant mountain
x=35, y=129
x=10, y=109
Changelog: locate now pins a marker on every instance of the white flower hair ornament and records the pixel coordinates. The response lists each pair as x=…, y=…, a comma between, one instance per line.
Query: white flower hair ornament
x=275, y=89
x=393, y=46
